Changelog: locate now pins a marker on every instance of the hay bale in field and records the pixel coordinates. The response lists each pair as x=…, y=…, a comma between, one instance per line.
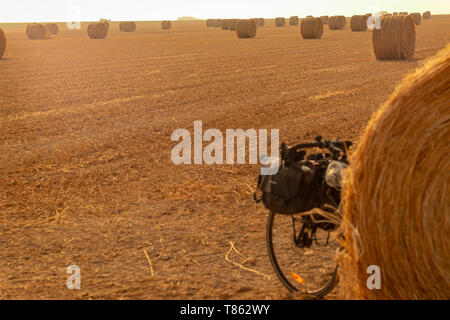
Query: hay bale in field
x=311, y=28
x=395, y=13
x=225, y=24
x=293, y=21
x=427, y=15
x=280, y=22
x=324, y=19
x=37, y=31
x=417, y=17
x=210, y=23
x=166, y=25
x=217, y=23
x=395, y=195
x=232, y=24
x=336, y=22
x=52, y=28
x=403, y=13
x=127, y=26
x=260, y=22
x=106, y=22
x=358, y=23
x=97, y=30
x=2, y=43
x=246, y=28
x=396, y=39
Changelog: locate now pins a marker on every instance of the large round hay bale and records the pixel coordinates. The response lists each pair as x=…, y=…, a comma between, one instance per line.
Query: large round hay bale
x=280, y=22
x=293, y=21
x=52, y=28
x=336, y=22
x=166, y=25
x=358, y=23
x=36, y=31
x=2, y=43
x=324, y=19
x=127, y=26
x=395, y=195
x=427, y=15
x=246, y=28
x=311, y=28
x=395, y=13
x=396, y=39
x=97, y=30
x=417, y=17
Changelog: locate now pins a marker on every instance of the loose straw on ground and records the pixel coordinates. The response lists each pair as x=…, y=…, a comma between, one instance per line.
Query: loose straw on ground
x=233, y=248
x=149, y=262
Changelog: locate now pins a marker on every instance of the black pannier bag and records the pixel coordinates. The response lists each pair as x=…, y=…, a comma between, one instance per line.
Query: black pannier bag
x=288, y=191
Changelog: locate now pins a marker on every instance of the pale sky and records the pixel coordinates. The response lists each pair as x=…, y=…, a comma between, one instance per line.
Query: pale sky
x=91, y=10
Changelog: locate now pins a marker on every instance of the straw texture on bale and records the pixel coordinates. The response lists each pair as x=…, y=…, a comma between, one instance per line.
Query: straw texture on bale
x=324, y=19
x=396, y=39
x=280, y=22
x=336, y=22
x=311, y=28
x=106, y=23
x=358, y=23
x=293, y=21
x=246, y=28
x=36, y=31
x=2, y=43
x=395, y=195
x=427, y=15
x=97, y=30
x=417, y=18
x=127, y=26
x=52, y=28
x=166, y=25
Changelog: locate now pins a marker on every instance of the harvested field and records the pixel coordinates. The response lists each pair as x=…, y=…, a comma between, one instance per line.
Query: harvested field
x=85, y=145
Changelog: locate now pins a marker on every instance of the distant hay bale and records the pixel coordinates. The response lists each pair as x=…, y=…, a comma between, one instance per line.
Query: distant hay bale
x=225, y=24
x=210, y=23
x=217, y=23
x=395, y=13
x=396, y=39
x=395, y=195
x=427, y=15
x=403, y=13
x=311, y=28
x=336, y=22
x=127, y=26
x=358, y=23
x=166, y=25
x=293, y=21
x=37, y=31
x=260, y=22
x=232, y=24
x=280, y=22
x=97, y=30
x=52, y=28
x=324, y=19
x=246, y=28
x=2, y=43
x=417, y=17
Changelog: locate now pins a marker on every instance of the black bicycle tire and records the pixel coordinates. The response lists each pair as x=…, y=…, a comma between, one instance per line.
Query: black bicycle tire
x=320, y=293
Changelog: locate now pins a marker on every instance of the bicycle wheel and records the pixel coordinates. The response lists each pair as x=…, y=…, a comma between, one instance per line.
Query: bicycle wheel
x=302, y=265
